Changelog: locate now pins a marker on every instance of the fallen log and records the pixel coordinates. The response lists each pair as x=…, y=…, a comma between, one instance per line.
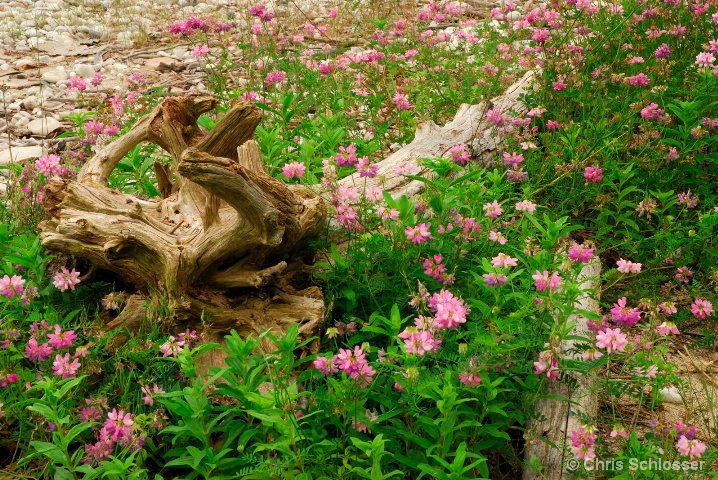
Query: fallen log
x=548, y=433
x=469, y=126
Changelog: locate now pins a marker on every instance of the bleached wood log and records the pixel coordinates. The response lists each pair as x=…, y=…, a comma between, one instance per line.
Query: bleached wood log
x=469, y=126
x=548, y=434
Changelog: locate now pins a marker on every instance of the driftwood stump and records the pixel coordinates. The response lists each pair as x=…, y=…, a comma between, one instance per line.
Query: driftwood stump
x=223, y=247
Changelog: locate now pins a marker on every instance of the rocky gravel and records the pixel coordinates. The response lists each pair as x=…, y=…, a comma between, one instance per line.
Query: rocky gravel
x=46, y=42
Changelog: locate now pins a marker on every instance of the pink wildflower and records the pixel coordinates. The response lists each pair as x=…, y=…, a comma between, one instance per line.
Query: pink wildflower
x=63, y=366
x=701, y=308
x=11, y=286
x=705, y=60
x=401, y=101
x=623, y=315
x=171, y=347
x=526, y=206
x=459, y=154
x=559, y=84
x=543, y=281
x=77, y=83
x=494, y=279
x=419, y=234
x=294, y=168
x=619, y=431
x=684, y=274
x=34, y=351
x=613, y=340
x=580, y=254
x=275, y=77
x=640, y=80
x=449, y=310
x=60, y=339
x=150, y=393
x=118, y=424
x=66, y=279
x=470, y=379
x=626, y=266
x=325, y=365
x=693, y=448
x=668, y=328
x=355, y=364
x=503, y=260
x=417, y=342
x=49, y=165
x=200, y=51
x=493, y=209
x=593, y=174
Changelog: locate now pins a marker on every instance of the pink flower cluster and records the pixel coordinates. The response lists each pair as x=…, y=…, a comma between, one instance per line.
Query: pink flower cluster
x=623, y=315
x=65, y=365
x=260, y=11
x=49, y=165
x=583, y=442
x=424, y=337
x=542, y=280
x=419, y=234
x=188, y=27
x=401, y=102
x=119, y=428
x=684, y=274
x=593, y=174
x=150, y=393
x=294, y=168
x=613, y=340
x=66, y=279
x=547, y=363
x=702, y=308
x=459, y=154
x=526, y=206
x=275, y=77
x=580, y=254
x=174, y=345
x=652, y=112
x=353, y=363
x=493, y=209
x=8, y=378
x=11, y=286
x=627, y=266
x=693, y=448
x=77, y=84
x=435, y=268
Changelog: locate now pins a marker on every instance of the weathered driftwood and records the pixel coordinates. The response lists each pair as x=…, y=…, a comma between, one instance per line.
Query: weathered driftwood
x=557, y=419
x=469, y=126
x=219, y=251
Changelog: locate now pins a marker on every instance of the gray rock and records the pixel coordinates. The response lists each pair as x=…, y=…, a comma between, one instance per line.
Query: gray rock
x=31, y=102
x=94, y=33
x=513, y=16
x=84, y=70
x=24, y=62
x=19, y=154
x=41, y=127
x=54, y=76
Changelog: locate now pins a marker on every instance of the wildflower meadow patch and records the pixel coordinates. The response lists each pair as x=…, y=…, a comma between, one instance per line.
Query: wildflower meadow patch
x=252, y=289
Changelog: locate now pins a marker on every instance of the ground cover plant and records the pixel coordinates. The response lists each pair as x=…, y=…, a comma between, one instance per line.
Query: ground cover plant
x=445, y=311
